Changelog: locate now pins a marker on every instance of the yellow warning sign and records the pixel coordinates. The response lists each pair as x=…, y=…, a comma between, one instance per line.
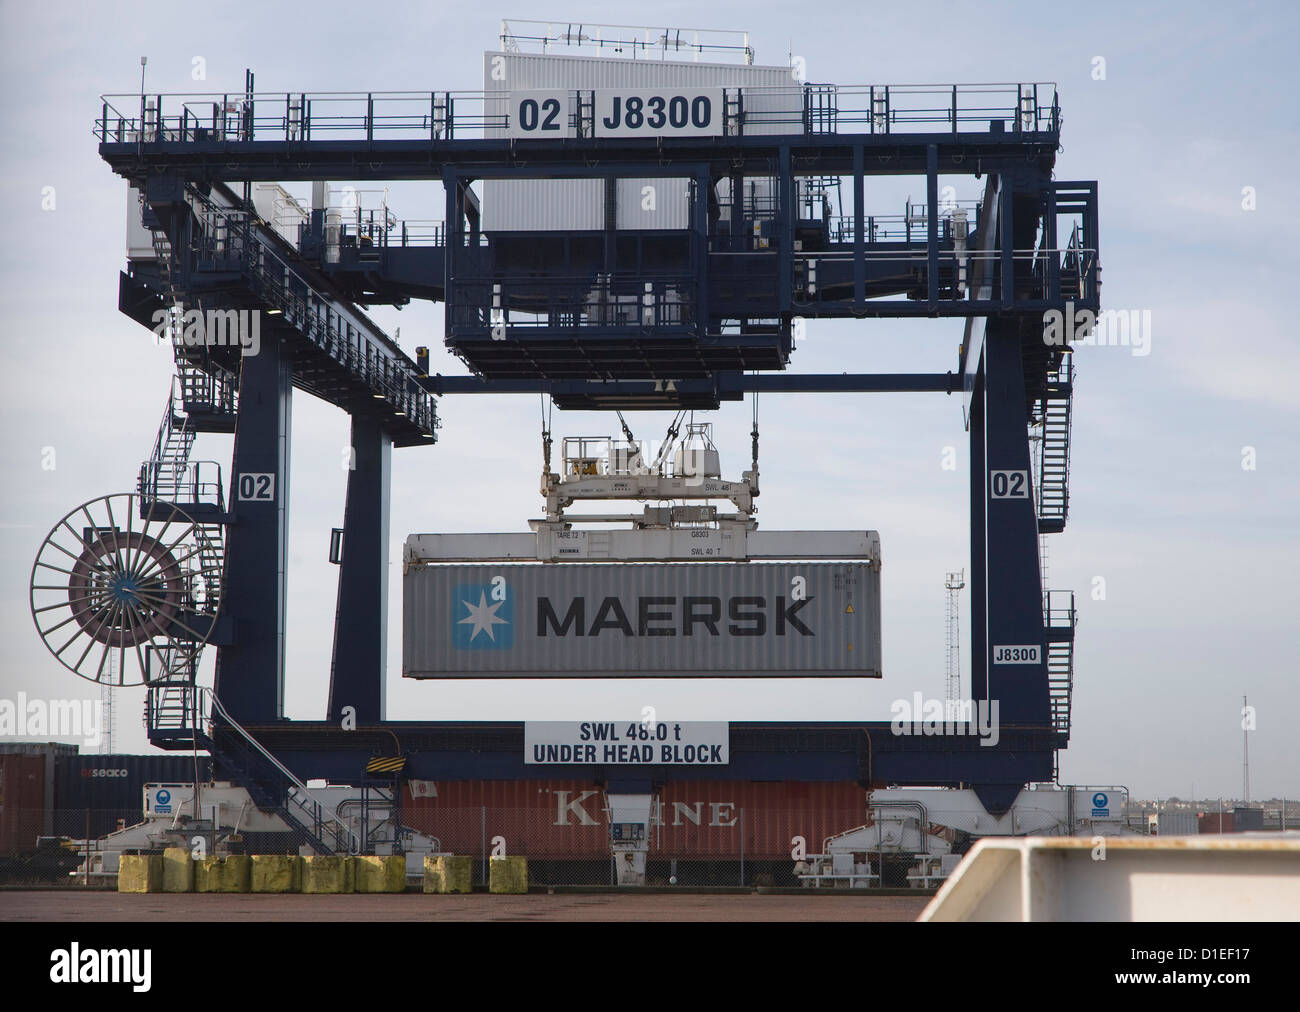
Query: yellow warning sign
x=849, y=610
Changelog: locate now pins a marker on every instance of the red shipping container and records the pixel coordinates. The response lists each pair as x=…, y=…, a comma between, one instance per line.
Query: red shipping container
x=559, y=819
x=1209, y=822
x=22, y=802
x=711, y=818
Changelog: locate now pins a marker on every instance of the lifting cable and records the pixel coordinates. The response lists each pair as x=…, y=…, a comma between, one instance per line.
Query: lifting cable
x=754, y=434
x=546, y=434
x=673, y=428
x=627, y=432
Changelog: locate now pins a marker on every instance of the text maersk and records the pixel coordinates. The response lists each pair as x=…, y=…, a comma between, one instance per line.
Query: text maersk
x=673, y=616
x=677, y=755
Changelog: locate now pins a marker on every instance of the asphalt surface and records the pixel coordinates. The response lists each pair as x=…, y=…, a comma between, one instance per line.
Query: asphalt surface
x=94, y=905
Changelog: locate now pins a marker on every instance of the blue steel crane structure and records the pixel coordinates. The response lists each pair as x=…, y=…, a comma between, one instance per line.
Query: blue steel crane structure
x=715, y=305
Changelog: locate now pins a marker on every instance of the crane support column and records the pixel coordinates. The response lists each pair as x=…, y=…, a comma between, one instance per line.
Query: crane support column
x=357, y=671
x=1014, y=659
x=250, y=671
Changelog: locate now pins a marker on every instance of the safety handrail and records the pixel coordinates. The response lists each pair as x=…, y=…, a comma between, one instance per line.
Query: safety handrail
x=1059, y=616
x=278, y=282
x=437, y=115
x=319, y=812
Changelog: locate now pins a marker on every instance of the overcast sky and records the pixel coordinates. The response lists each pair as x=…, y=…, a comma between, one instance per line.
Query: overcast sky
x=1199, y=556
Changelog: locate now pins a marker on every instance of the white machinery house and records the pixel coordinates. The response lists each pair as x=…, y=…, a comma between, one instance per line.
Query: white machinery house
x=935, y=826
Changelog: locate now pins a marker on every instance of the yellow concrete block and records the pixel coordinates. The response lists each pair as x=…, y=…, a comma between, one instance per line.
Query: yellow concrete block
x=230, y=874
x=381, y=874
x=448, y=874
x=276, y=873
x=334, y=874
x=508, y=875
x=178, y=870
x=140, y=873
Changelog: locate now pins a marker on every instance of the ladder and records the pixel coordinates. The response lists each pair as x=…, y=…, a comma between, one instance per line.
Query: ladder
x=820, y=109
x=1053, y=479
x=185, y=711
x=1060, y=619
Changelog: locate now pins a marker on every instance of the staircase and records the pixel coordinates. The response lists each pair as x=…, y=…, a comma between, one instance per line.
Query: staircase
x=162, y=476
x=169, y=702
x=162, y=248
x=274, y=787
x=178, y=709
x=1052, y=487
x=1060, y=619
x=199, y=401
x=1053, y=445
x=169, y=481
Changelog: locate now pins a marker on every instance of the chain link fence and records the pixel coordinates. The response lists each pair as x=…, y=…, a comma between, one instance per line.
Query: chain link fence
x=567, y=843
x=688, y=845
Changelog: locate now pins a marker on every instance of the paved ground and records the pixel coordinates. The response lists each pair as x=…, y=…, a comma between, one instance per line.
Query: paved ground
x=110, y=906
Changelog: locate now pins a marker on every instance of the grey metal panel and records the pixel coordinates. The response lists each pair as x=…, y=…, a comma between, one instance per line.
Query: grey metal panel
x=672, y=205
x=602, y=620
x=1178, y=824
x=464, y=547
x=526, y=71
x=773, y=110
x=537, y=205
x=551, y=205
x=646, y=546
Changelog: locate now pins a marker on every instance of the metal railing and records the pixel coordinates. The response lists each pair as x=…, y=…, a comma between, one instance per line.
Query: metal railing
x=215, y=391
x=546, y=35
x=810, y=109
x=631, y=301
x=320, y=818
x=181, y=706
x=198, y=483
x=911, y=226
x=321, y=321
x=960, y=264
x=1058, y=609
x=390, y=235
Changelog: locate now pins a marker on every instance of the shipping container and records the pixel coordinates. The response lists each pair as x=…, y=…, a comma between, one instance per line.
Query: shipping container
x=692, y=820
x=1248, y=820
x=27, y=792
x=22, y=802
x=635, y=620
x=1177, y=824
x=1217, y=822
x=774, y=104
x=94, y=794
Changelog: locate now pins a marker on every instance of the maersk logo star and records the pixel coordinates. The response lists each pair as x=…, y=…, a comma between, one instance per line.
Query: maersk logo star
x=482, y=623
x=483, y=617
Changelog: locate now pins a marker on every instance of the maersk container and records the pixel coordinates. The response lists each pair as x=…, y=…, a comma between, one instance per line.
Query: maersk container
x=641, y=620
x=568, y=819
x=775, y=102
